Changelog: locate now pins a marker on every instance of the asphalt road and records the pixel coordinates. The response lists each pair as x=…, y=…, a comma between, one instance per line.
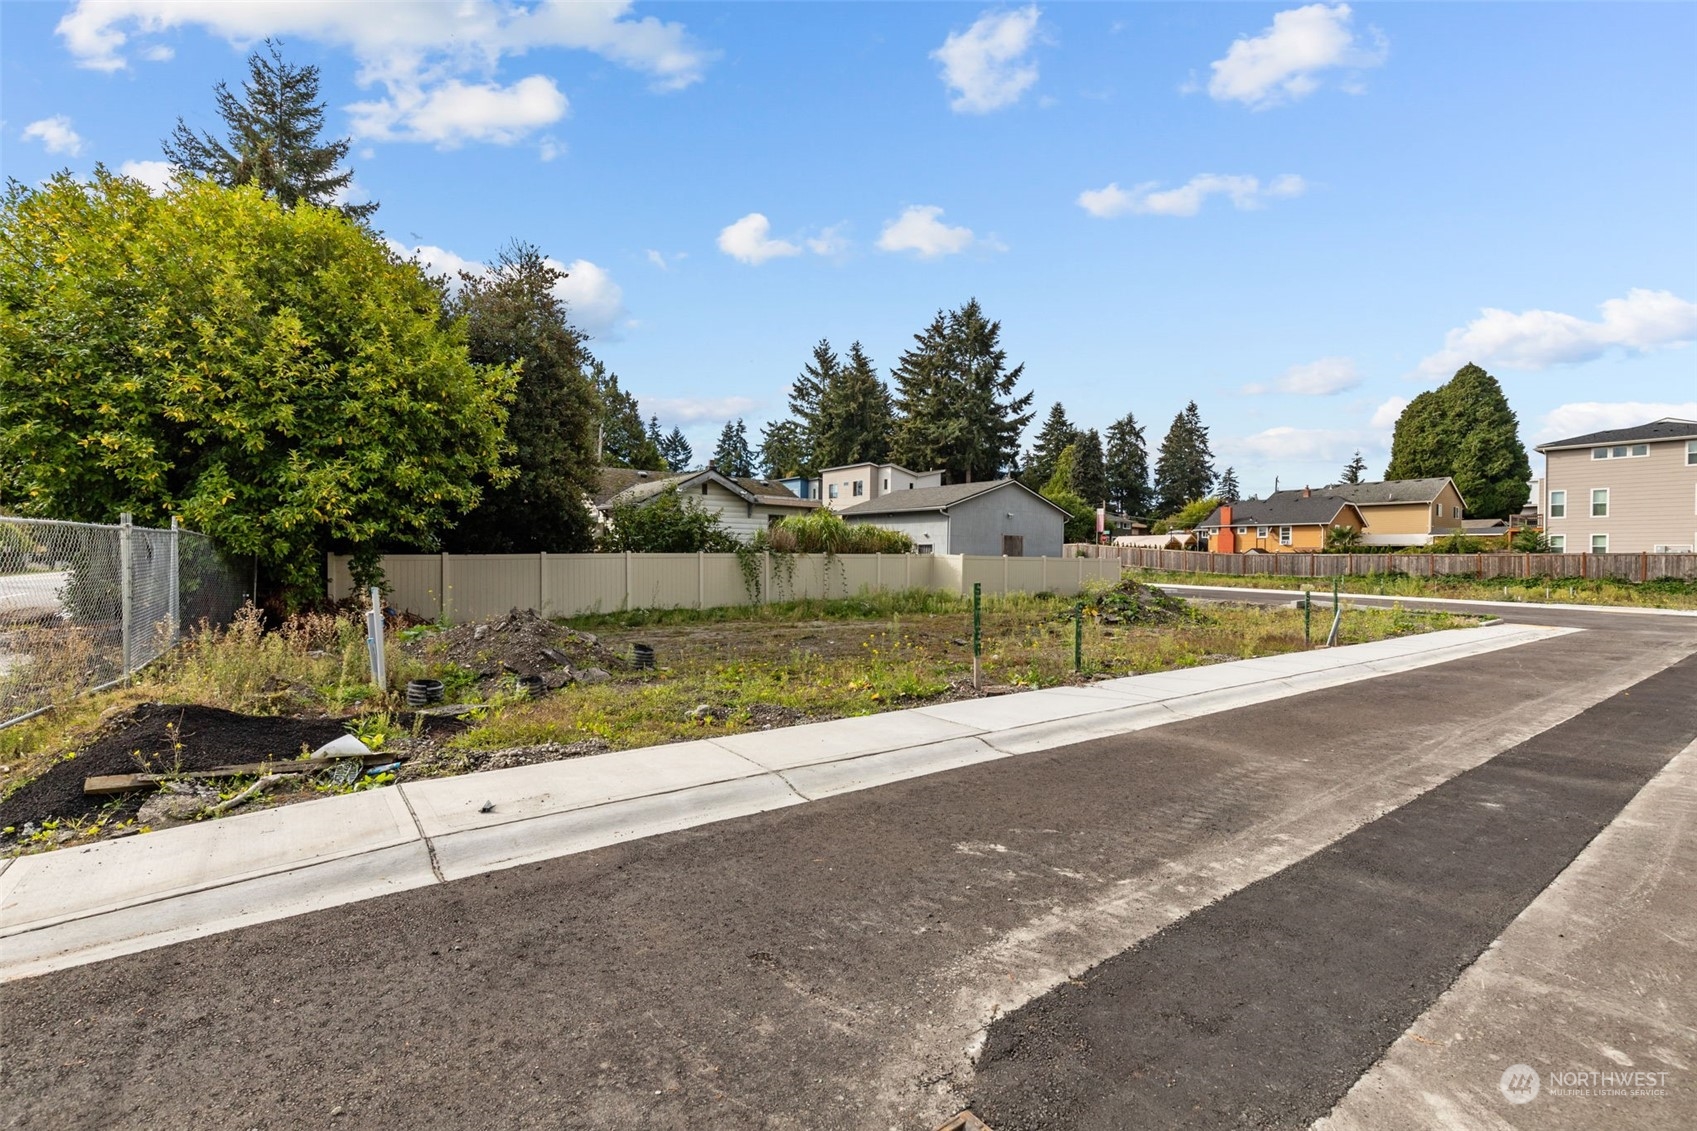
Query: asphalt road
x=832, y=966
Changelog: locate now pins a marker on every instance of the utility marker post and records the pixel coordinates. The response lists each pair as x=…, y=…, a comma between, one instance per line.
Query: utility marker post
x=1078, y=636
x=977, y=631
x=126, y=593
x=1308, y=618
x=374, y=641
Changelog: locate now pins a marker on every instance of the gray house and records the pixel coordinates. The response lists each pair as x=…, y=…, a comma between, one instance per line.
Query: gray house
x=998, y=516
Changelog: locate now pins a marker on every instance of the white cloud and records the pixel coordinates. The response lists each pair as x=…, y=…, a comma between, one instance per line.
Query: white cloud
x=56, y=134
x=1535, y=339
x=1584, y=417
x=594, y=302
x=453, y=112
x=159, y=53
x=156, y=175
x=750, y=241
x=1321, y=378
x=550, y=148
x=919, y=230
x=689, y=410
x=985, y=67
x=1148, y=199
x=1385, y=416
x=658, y=260
x=1283, y=63
x=830, y=241
x=418, y=50
x=1288, y=444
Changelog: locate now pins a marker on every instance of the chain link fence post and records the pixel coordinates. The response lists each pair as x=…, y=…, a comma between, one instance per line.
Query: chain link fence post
x=126, y=590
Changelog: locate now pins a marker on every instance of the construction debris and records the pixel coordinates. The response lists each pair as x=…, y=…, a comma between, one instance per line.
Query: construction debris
x=524, y=644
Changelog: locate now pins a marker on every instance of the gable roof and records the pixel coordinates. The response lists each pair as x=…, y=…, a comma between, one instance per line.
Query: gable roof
x=937, y=498
x=1392, y=491
x=1285, y=508
x=1667, y=428
x=628, y=488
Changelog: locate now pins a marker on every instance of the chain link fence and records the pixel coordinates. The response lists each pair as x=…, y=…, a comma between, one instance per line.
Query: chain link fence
x=84, y=606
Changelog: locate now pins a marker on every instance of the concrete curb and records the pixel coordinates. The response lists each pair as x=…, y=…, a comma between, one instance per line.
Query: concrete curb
x=1463, y=601
x=81, y=905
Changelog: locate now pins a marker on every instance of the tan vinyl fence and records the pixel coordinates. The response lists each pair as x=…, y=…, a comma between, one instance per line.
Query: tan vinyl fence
x=461, y=587
x=1623, y=567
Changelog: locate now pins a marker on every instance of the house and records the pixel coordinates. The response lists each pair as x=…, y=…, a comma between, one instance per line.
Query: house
x=744, y=506
x=1405, y=512
x=851, y=484
x=1283, y=522
x=1624, y=490
x=997, y=516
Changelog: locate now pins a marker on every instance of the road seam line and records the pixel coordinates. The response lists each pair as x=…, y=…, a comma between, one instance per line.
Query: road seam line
x=429, y=845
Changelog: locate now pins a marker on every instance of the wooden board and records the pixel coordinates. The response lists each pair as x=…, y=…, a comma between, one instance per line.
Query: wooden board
x=124, y=783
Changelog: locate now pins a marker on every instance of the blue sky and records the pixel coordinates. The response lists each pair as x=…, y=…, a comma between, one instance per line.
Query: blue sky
x=1297, y=215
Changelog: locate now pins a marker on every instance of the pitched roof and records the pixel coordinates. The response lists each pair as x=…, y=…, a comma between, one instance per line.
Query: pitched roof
x=1284, y=508
x=1390, y=491
x=936, y=498
x=611, y=481
x=639, y=487
x=1667, y=428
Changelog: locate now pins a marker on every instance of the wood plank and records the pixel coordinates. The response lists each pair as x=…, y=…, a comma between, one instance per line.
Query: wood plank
x=124, y=783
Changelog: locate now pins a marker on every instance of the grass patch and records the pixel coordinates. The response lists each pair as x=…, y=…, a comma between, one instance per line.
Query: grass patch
x=1664, y=593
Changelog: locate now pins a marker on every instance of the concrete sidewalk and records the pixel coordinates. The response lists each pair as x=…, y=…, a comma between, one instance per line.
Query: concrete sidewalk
x=86, y=904
x=1593, y=988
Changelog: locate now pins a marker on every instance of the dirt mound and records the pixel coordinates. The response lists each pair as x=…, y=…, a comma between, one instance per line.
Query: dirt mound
x=1132, y=602
x=160, y=738
x=520, y=643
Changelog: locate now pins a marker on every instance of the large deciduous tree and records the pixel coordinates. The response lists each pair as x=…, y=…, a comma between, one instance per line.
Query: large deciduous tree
x=273, y=376
x=1466, y=430
x=1128, y=467
x=513, y=318
x=956, y=398
x=272, y=139
x=1185, y=469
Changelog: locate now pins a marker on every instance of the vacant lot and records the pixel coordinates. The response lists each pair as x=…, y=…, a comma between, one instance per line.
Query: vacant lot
x=243, y=695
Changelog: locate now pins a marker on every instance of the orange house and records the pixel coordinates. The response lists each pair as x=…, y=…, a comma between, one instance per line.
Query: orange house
x=1289, y=522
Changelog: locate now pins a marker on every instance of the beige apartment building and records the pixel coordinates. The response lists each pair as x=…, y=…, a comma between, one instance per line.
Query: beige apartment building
x=1624, y=491
x=855, y=483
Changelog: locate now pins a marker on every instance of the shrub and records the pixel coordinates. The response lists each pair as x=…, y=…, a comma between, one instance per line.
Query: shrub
x=824, y=532
x=667, y=524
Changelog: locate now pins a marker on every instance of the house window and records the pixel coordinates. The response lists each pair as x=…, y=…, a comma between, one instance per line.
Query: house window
x=1261, y=533
x=1641, y=449
x=1455, y=512
x=923, y=548
x=886, y=482
x=833, y=490
x=1013, y=545
x=1558, y=504
x=1599, y=453
x=1558, y=543
x=859, y=487
x=1622, y=451
x=1284, y=535
x=1600, y=503
x=1437, y=510
x=1599, y=543
x=1243, y=530
x=1691, y=453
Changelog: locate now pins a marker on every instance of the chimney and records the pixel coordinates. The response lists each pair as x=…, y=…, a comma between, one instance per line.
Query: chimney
x=1306, y=493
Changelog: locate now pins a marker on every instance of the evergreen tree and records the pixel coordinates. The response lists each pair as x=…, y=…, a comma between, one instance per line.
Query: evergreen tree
x=807, y=401
x=675, y=450
x=625, y=441
x=956, y=399
x=1355, y=468
x=1185, y=469
x=1089, y=478
x=780, y=449
x=854, y=420
x=732, y=457
x=1228, y=490
x=513, y=318
x=1128, y=467
x=1057, y=432
x=273, y=139
x=1466, y=430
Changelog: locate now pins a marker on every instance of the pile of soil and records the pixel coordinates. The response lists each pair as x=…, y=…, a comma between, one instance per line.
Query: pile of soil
x=1132, y=602
x=160, y=738
x=520, y=643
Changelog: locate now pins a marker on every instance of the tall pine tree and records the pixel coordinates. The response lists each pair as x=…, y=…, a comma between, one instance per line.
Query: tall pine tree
x=1089, y=479
x=780, y=449
x=956, y=398
x=855, y=418
x=675, y=450
x=624, y=438
x=272, y=139
x=1184, y=472
x=732, y=457
x=1052, y=439
x=1355, y=468
x=1466, y=430
x=1128, y=467
x=807, y=402
x=512, y=316
x=1227, y=491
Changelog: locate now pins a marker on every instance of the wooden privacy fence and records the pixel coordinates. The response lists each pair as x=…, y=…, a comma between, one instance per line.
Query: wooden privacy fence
x=460, y=587
x=1623, y=567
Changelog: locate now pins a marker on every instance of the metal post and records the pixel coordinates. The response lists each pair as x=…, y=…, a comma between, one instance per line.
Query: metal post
x=1078, y=636
x=977, y=630
x=1337, y=616
x=174, y=575
x=374, y=640
x=1308, y=618
x=126, y=597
